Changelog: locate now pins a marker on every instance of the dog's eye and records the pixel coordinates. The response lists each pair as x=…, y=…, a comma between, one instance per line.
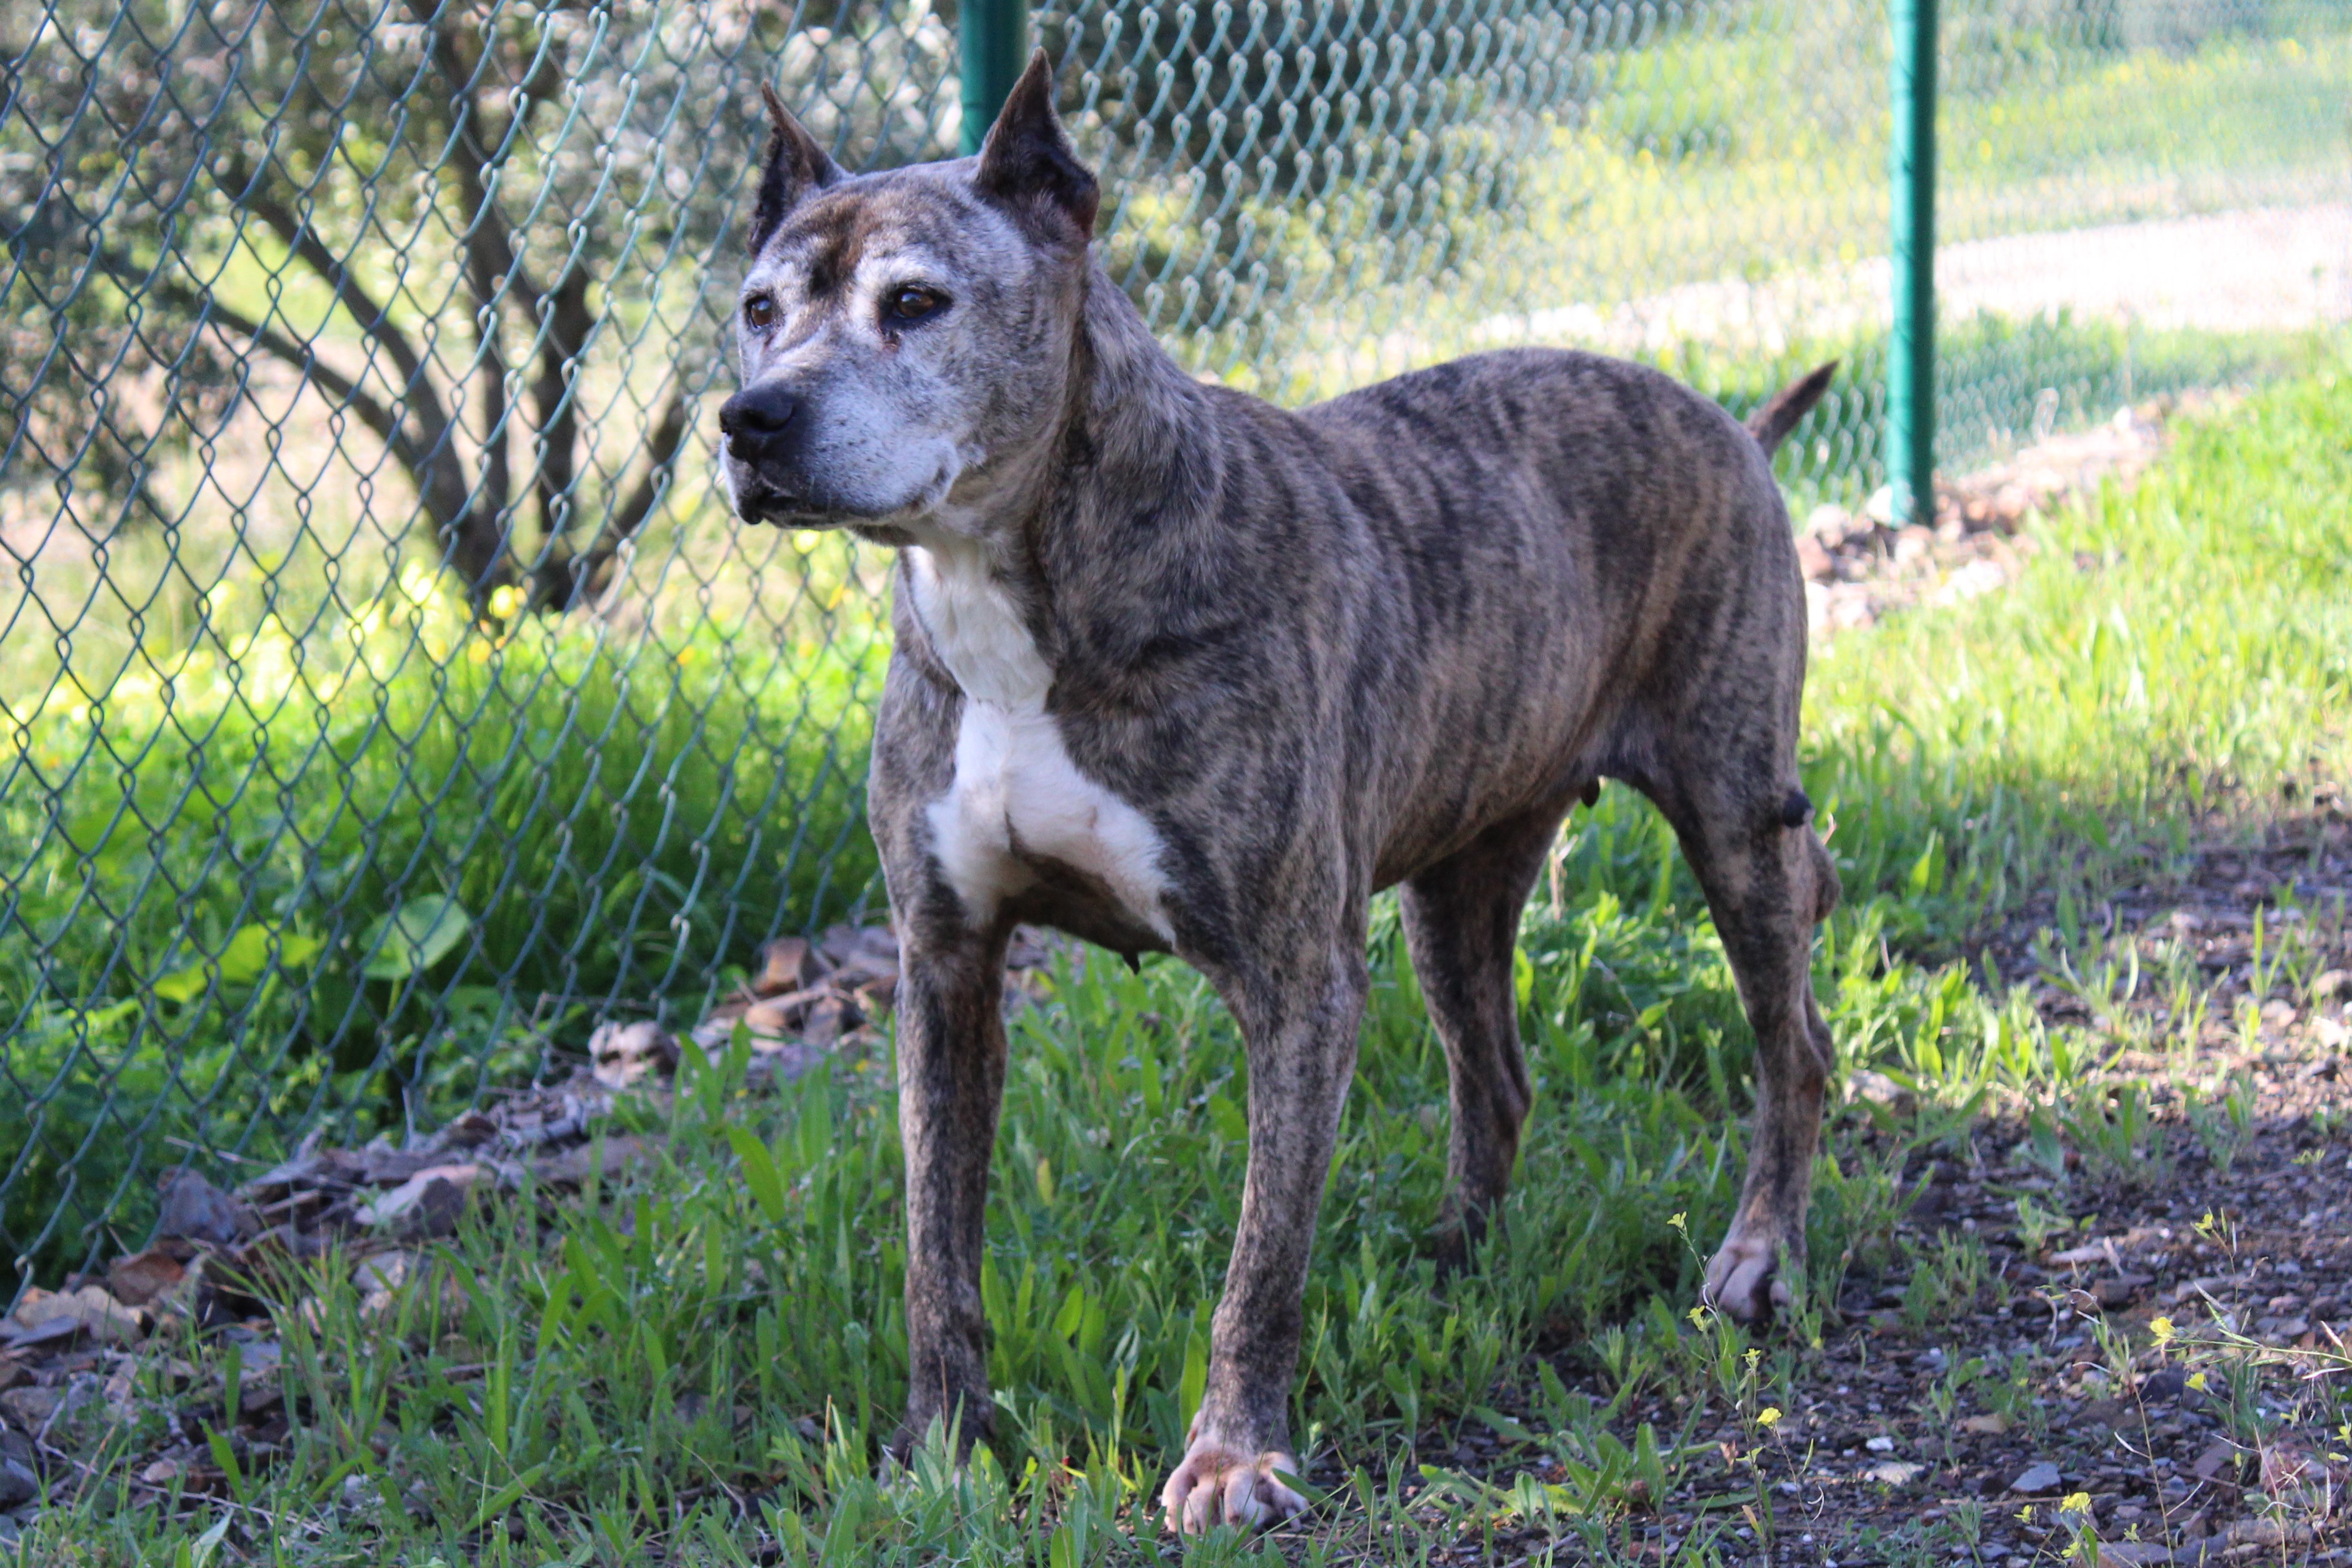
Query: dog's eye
x=912, y=304
x=758, y=312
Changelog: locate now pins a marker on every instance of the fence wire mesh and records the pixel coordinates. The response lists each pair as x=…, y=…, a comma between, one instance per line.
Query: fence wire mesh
x=386, y=696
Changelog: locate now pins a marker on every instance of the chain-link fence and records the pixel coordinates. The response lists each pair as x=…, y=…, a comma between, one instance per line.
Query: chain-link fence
x=386, y=698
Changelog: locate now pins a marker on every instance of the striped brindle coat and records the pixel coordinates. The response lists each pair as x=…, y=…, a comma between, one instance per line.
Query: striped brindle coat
x=1181, y=672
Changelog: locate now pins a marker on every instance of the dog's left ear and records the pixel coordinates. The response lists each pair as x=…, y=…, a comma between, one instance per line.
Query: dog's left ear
x=1026, y=162
x=796, y=166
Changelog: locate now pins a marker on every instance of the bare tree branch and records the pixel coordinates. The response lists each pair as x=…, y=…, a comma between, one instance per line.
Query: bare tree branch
x=245, y=187
x=390, y=425
x=439, y=470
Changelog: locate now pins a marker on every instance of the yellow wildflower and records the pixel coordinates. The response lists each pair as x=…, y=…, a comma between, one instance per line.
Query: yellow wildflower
x=2076, y=1502
x=1768, y=1417
x=2161, y=1328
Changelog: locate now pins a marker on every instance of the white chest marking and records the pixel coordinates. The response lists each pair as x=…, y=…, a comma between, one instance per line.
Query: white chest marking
x=1016, y=792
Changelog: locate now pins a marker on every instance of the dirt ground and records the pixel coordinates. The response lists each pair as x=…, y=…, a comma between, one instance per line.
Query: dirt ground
x=1951, y=1417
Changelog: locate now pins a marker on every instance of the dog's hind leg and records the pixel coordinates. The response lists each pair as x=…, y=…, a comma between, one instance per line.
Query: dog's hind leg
x=1462, y=926
x=1747, y=832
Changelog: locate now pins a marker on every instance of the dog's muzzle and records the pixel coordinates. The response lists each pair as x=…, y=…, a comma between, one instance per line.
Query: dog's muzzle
x=764, y=427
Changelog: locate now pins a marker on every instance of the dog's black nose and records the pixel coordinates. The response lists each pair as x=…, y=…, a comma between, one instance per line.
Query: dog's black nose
x=754, y=418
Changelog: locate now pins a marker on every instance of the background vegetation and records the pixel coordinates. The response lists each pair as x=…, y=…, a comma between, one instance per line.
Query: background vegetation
x=299, y=827
x=711, y=1347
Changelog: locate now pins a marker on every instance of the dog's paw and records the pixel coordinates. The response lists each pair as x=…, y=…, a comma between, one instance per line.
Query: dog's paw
x=1746, y=1278
x=1221, y=1484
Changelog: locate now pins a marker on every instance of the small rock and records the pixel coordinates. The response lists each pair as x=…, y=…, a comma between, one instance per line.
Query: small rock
x=2330, y=1034
x=1865, y=1084
x=1881, y=1444
x=2166, y=1382
x=2278, y=1012
x=196, y=1209
x=18, y=1485
x=2267, y=1532
x=2118, y=1292
x=2037, y=1479
x=1991, y=1426
x=2218, y=1453
x=2332, y=984
x=2133, y=1553
x=2111, y=1414
x=1895, y=1472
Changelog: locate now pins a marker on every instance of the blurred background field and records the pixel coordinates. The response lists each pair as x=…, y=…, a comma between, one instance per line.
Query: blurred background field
x=386, y=699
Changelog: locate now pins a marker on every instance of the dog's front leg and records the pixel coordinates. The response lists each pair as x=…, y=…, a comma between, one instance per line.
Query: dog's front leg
x=950, y=1037
x=1300, y=1027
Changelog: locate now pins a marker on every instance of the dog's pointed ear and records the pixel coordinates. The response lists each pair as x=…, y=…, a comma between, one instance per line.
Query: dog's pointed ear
x=796, y=166
x=1026, y=162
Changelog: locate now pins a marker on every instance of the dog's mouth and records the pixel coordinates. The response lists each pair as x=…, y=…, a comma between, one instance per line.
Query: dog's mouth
x=758, y=502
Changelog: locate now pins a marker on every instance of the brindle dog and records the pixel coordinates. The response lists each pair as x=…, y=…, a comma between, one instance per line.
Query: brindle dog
x=1181, y=672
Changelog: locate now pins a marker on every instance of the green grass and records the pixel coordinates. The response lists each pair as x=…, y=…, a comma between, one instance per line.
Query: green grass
x=2183, y=648
x=197, y=938
x=1751, y=146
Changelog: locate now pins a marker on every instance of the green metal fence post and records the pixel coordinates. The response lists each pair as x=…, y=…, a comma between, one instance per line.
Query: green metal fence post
x=1911, y=353
x=993, y=38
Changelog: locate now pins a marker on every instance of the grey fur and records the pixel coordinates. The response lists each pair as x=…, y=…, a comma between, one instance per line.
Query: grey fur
x=1386, y=640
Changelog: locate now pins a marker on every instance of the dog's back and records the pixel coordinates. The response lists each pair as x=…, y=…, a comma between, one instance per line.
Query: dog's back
x=1571, y=591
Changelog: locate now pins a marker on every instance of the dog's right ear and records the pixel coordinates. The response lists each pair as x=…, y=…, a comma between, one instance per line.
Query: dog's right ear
x=1026, y=163
x=796, y=166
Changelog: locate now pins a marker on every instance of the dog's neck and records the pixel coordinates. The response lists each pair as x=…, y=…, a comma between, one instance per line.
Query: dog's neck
x=988, y=575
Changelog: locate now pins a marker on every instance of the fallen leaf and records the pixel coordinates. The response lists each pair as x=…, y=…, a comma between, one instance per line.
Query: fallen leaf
x=1991, y=1426
x=2096, y=1252
x=571, y=1166
x=138, y=1280
x=787, y=963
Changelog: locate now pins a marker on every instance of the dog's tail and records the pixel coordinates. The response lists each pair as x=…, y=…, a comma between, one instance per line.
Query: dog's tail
x=1771, y=423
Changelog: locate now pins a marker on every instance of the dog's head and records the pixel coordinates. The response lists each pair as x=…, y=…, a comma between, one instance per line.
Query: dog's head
x=905, y=337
